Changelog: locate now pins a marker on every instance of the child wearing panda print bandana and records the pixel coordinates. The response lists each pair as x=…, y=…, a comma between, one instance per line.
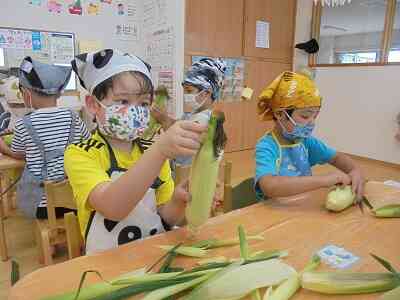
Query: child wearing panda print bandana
x=124, y=192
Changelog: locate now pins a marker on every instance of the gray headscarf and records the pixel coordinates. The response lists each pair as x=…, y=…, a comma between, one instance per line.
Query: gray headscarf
x=207, y=74
x=41, y=77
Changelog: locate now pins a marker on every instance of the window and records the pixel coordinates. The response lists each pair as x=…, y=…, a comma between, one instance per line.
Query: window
x=394, y=56
x=394, y=53
x=355, y=33
x=2, y=57
x=356, y=57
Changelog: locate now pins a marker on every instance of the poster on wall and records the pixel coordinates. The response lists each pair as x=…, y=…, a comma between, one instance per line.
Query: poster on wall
x=93, y=8
x=234, y=78
x=54, y=6
x=35, y=2
x=127, y=32
x=262, y=34
x=61, y=50
x=15, y=39
x=76, y=8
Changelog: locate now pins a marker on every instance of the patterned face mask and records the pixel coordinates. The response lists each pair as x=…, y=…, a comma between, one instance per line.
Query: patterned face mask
x=125, y=122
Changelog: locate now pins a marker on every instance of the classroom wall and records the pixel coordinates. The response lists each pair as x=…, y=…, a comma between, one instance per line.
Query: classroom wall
x=360, y=103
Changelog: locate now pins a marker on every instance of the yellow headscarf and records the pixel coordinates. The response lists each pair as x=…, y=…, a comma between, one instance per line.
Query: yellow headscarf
x=288, y=91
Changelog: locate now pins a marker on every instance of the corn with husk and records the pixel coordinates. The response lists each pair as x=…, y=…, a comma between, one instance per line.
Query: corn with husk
x=387, y=211
x=343, y=283
x=290, y=286
x=160, y=101
x=340, y=198
x=210, y=282
x=204, y=173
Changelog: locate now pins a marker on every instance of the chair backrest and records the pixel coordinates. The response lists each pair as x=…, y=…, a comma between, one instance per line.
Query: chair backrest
x=237, y=195
x=74, y=237
x=58, y=194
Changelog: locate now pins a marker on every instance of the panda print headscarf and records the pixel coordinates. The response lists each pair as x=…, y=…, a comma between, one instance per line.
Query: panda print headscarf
x=94, y=68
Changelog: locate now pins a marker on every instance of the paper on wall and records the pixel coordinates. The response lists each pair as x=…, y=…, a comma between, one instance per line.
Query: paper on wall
x=86, y=46
x=262, y=34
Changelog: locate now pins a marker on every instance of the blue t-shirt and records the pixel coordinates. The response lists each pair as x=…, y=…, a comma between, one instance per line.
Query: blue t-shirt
x=268, y=157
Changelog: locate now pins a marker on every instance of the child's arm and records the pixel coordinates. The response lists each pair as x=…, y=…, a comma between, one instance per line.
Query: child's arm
x=347, y=165
x=183, y=138
x=5, y=149
x=285, y=186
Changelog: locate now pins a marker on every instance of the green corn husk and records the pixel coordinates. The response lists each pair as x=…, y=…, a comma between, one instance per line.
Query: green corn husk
x=14, y=272
x=215, y=243
x=349, y=283
x=352, y=283
x=239, y=279
x=160, y=101
x=107, y=291
x=340, y=198
x=168, y=291
x=204, y=173
x=289, y=287
x=391, y=295
x=218, y=259
x=388, y=211
x=187, y=251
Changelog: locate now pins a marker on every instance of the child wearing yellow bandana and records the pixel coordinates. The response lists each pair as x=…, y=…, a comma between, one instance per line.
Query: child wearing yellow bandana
x=285, y=156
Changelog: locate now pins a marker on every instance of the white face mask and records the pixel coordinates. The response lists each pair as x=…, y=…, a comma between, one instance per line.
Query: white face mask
x=190, y=101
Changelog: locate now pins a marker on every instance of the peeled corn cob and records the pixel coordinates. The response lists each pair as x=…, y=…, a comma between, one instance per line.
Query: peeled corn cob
x=340, y=199
x=388, y=211
x=204, y=173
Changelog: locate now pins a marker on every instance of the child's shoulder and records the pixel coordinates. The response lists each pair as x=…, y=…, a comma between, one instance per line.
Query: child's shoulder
x=93, y=145
x=267, y=141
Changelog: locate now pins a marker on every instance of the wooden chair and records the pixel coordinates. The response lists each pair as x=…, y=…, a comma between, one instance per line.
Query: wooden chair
x=237, y=195
x=51, y=232
x=74, y=236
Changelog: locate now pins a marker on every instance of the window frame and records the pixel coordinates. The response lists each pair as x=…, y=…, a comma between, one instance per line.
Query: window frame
x=385, y=44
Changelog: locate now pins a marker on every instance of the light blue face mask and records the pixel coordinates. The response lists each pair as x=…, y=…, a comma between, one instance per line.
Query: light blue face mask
x=299, y=131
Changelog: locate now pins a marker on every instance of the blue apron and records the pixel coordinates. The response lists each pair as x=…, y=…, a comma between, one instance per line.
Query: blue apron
x=293, y=160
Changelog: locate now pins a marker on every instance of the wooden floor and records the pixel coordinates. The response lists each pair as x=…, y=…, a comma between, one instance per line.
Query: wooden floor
x=20, y=230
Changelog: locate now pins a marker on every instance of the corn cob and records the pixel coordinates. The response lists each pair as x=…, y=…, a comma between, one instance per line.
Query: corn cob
x=340, y=199
x=204, y=173
x=388, y=211
x=290, y=286
x=352, y=283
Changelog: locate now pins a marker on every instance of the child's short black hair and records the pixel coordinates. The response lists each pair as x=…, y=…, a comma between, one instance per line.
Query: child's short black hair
x=146, y=86
x=40, y=93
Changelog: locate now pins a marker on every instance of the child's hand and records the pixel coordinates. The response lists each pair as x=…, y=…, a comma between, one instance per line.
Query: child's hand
x=161, y=116
x=336, y=178
x=181, y=139
x=357, y=182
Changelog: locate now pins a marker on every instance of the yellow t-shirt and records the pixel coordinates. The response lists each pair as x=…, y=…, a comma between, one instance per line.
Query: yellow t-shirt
x=86, y=165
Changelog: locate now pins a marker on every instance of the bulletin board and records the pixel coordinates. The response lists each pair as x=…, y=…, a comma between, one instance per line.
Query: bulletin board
x=49, y=47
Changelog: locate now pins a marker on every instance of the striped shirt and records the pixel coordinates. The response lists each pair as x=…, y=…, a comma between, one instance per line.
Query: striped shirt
x=53, y=128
